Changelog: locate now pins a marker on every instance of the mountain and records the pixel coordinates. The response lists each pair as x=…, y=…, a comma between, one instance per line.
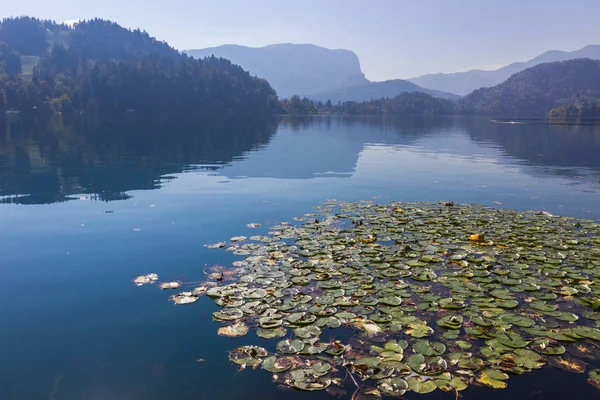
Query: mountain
x=293, y=68
x=463, y=83
x=376, y=90
x=535, y=91
x=100, y=67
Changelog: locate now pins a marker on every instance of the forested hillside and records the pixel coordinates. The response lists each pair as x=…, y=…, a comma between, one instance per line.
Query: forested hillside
x=537, y=90
x=101, y=67
x=407, y=103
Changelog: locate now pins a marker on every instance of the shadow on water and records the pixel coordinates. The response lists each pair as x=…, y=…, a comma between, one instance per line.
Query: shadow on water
x=48, y=160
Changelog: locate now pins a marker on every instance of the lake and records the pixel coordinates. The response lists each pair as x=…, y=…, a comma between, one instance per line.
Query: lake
x=85, y=206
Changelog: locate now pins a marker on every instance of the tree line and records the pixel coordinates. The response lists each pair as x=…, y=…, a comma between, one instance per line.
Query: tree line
x=98, y=66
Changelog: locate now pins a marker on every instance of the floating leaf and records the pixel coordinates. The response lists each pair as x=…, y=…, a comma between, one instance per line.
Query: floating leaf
x=290, y=346
x=145, y=279
x=276, y=364
x=492, y=378
x=392, y=386
x=273, y=333
x=248, y=355
x=218, y=245
x=419, y=330
x=594, y=378
x=184, y=298
x=235, y=330
x=306, y=379
x=228, y=314
x=416, y=384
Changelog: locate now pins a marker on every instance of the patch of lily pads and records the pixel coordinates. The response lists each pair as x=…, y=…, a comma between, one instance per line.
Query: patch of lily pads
x=436, y=296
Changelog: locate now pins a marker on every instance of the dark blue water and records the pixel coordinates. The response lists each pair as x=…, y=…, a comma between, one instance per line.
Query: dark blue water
x=87, y=205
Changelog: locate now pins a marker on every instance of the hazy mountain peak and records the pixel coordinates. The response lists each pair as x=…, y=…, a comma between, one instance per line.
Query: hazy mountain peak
x=376, y=90
x=293, y=68
x=463, y=83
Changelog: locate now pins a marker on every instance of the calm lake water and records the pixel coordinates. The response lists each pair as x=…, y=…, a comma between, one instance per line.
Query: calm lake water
x=86, y=206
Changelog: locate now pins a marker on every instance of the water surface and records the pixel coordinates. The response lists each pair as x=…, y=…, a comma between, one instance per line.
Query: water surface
x=86, y=205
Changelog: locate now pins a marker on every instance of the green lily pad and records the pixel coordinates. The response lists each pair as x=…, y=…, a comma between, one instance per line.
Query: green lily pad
x=429, y=348
x=290, y=346
x=248, y=355
x=492, y=378
x=306, y=379
x=548, y=347
x=594, y=378
x=276, y=364
x=419, y=330
x=301, y=318
x=587, y=332
x=228, y=314
x=306, y=332
x=416, y=384
x=392, y=386
x=321, y=368
x=273, y=333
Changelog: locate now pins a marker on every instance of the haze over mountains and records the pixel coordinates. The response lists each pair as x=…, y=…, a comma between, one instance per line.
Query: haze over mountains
x=463, y=83
x=323, y=74
x=377, y=90
x=312, y=71
x=293, y=68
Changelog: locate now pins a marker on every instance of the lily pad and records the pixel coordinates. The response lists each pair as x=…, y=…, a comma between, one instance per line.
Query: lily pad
x=184, y=298
x=416, y=384
x=273, y=333
x=594, y=378
x=276, y=364
x=228, y=314
x=235, y=330
x=492, y=378
x=290, y=346
x=248, y=355
x=306, y=379
x=393, y=386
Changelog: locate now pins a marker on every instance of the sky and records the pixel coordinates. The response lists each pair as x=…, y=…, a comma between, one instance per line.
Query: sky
x=392, y=38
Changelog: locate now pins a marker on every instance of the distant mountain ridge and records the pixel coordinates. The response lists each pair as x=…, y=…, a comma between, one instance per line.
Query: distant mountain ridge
x=536, y=91
x=377, y=90
x=463, y=83
x=293, y=68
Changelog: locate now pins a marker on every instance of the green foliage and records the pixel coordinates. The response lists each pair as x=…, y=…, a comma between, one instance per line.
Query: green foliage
x=407, y=103
x=2, y=100
x=584, y=109
x=105, y=68
x=10, y=60
x=25, y=34
x=99, y=39
x=297, y=106
x=537, y=90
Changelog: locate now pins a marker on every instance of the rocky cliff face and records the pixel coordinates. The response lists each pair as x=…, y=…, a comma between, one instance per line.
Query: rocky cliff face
x=293, y=68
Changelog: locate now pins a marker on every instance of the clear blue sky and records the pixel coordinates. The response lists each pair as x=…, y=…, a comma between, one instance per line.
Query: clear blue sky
x=393, y=38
